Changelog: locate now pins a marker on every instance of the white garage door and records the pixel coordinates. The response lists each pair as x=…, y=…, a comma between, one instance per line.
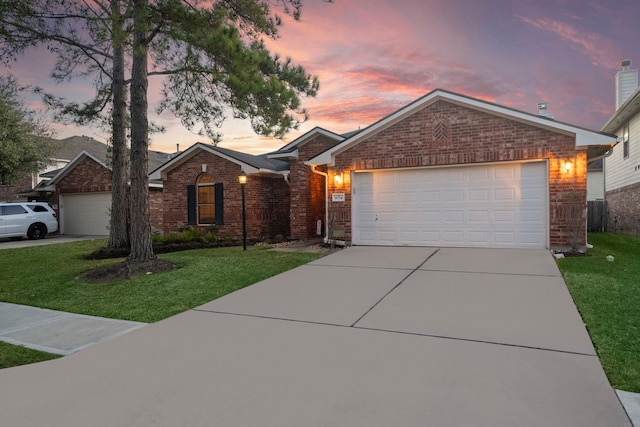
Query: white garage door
x=85, y=213
x=499, y=205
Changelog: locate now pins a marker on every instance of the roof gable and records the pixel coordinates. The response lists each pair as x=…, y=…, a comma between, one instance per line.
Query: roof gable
x=250, y=164
x=584, y=137
x=290, y=150
x=72, y=164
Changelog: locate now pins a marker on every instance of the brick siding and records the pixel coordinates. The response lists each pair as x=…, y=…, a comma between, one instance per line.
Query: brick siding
x=444, y=133
x=308, y=189
x=624, y=203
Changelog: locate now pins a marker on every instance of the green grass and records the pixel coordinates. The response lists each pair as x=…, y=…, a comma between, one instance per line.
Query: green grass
x=607, y=295
x=48, y=277
x=16, y=355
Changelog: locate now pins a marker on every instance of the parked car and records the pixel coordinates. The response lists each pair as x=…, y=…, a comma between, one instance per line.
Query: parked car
x=27, y=219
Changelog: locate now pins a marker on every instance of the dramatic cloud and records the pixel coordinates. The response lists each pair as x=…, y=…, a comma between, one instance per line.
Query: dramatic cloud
x=375, y=57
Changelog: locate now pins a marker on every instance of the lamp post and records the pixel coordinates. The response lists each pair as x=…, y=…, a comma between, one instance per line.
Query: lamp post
x=242, y=178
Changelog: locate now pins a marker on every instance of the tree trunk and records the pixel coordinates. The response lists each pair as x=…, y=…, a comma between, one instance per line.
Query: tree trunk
x=141, y=243
x=118, y=224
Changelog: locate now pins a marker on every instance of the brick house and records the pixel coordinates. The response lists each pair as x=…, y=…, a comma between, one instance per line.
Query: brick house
x=622, y=167
x=445, y=170
x=78, y=186
x=80, y=193
x=450, y=170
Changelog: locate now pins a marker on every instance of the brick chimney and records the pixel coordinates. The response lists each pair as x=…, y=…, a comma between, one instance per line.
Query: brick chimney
x=626, y=83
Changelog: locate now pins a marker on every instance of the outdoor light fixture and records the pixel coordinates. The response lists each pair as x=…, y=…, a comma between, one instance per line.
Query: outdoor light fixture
x=242, y=179
x=568, y=165
x=338, y=179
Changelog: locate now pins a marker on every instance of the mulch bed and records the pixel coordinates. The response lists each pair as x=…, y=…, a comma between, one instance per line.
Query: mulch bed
x=126, y=270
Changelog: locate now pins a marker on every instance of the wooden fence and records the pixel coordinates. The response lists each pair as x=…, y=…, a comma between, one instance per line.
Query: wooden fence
x=596, y=215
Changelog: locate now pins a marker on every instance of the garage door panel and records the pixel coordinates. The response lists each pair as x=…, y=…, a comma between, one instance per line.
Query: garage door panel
x=86, y=213
x=507, y=173
x=504, y=216
x=476, y=195
x=478, y=217
x=429, y=196
x=501, y=194
x=485, y=205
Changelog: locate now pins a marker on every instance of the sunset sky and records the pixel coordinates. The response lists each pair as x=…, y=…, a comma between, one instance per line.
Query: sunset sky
x=374, y=56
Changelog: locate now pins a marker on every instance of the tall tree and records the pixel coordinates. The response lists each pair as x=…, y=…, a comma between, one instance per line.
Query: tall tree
x=119, y=221
x=141, y=247
x=211, y=55
x=23, y=150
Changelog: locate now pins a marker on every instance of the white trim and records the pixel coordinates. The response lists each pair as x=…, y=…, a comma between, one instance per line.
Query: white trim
x=288, y=155
x=72, y=164
x=301, y=140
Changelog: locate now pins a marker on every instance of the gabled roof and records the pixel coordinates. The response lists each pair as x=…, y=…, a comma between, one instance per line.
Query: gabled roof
x=61, y=173
x=69, y=148
x=291, y=149
x=626, y=112
x=584, y=137
x=250, y=164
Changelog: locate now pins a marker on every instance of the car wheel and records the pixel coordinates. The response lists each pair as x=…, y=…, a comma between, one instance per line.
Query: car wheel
x=37, y=231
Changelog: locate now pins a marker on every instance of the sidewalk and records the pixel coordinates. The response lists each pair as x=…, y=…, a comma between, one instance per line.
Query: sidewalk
x=56, y=331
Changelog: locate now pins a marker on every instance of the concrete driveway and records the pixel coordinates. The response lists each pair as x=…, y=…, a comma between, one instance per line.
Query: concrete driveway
x=367, y=336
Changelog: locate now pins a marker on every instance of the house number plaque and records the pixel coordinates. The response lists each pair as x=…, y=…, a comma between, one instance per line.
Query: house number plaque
x=337, y=197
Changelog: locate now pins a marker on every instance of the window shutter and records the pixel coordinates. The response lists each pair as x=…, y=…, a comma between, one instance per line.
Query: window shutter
x=219, y=204
x=191, y=205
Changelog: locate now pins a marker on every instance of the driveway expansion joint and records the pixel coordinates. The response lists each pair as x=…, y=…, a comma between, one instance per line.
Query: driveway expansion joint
x=491, y=273
x=390, y=331
x=395, y=287
x=444, y=337
x=359, y=266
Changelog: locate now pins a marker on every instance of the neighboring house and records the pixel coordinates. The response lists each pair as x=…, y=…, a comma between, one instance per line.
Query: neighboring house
x=622, y=167
x=80, y=190
x=445, y=170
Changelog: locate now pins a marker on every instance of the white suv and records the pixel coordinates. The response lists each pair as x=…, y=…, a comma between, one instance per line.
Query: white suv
x=27, y=219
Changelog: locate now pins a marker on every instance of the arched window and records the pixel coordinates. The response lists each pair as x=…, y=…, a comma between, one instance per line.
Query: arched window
x=206, y=200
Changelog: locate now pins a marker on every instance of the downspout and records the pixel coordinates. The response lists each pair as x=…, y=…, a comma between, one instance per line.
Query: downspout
x=286, y=179
x=326, y=199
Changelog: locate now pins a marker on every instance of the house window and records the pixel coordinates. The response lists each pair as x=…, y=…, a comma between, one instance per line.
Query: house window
x=206, y=200
x=625, y=141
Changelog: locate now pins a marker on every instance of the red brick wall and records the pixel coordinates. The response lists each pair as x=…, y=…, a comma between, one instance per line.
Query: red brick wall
x=448, y=134
x=267, y=198
x=156, y=209
x=624, y=203
x=307, y=190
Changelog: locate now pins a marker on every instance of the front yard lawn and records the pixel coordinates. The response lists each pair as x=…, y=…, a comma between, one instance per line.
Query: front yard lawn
x=16, y=355
x=48, y=277
x=607, y=294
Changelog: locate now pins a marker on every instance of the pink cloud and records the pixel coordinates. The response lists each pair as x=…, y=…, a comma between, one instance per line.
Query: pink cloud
x=597, y=48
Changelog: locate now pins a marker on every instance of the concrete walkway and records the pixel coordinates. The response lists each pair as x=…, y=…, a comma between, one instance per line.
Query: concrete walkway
x=55, y=331
x=363, y=337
